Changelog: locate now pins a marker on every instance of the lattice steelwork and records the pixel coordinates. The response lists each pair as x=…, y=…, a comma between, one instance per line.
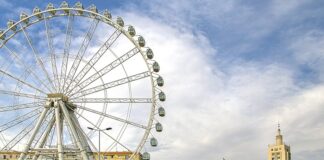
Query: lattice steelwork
x=66, y=69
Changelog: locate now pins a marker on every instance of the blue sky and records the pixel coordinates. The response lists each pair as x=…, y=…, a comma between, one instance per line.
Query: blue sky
x=233, y=69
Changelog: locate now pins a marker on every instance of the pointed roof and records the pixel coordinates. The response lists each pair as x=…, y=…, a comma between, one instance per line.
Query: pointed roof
x=278, y=131
x=279, y=137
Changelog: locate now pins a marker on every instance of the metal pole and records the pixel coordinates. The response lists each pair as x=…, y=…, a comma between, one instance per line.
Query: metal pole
x=32, y=137
x=99, y=145
x=99, y=130
x=59, y=132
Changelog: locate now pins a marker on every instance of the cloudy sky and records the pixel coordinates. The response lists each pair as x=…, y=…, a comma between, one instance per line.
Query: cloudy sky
x=233, y=70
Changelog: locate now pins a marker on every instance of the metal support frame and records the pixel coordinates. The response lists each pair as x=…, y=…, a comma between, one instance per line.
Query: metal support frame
x=73, y=130
x=49, y=36
x=65, y=60
x=106, y=69
x=95, y=58
x=13, y=142
x=59, y=131
x=44, y=137
x=20, y=106
x=61, y=112
x=37, y=126
x=81, y=52
x=19, y=119
x=104, y=132
x=20, y=94
x=15, y=56
x=110, y=85
x=80, y=133
x=37, y=57
x=112, y=100
x=112, y=117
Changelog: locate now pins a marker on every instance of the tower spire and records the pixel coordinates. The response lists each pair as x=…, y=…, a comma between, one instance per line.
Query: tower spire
x=279, y=138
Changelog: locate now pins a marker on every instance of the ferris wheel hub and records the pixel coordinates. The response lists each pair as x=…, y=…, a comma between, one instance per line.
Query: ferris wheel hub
x=57, y=96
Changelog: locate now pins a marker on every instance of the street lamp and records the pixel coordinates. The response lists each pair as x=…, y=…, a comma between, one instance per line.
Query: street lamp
x=99, y=130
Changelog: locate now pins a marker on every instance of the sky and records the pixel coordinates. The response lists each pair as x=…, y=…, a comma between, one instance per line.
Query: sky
x=233, y=70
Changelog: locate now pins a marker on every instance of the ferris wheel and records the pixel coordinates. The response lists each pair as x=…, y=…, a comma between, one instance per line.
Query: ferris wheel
x=70, y=71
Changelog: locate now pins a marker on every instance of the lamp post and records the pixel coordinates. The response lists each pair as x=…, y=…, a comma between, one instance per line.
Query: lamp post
x=99, y=130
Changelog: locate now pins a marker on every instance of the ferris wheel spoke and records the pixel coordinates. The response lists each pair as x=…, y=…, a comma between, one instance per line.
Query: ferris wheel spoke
x=26, y=95
x=37, y=58
x=52, y=53
x=97, y=127
x=20, y=106
x=21, y=135
x=67, y=44
x=112, y=100
x=112, y=84
x=20, y=80
x=107, y=68
x=81, y=52
x=102, y=50
x=30, y=71
x=19, y=119
x=112, y=117
x=3, y=139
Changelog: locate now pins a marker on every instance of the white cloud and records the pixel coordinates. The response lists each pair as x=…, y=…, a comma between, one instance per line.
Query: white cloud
x=238, y=26
x=201, y=104
x=307, y=47
x=213, y=113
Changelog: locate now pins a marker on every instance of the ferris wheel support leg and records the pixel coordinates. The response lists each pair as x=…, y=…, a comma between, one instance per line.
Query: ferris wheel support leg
x=34, y=132
x=73, y=139
x=84, y=141
x=59, y=131
x=44, y=137
x=73, y=129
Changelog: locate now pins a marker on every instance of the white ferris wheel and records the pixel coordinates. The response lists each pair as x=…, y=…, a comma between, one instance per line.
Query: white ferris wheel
x=69, y=71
